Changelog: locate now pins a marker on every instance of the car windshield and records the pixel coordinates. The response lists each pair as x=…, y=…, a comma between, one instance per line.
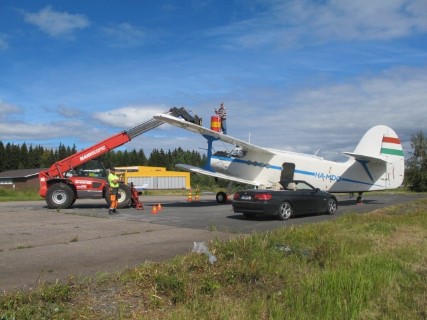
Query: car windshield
x=296, y=185
x=303, y=186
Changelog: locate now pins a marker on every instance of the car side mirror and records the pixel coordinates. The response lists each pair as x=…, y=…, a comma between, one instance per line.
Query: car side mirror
x=317, y=189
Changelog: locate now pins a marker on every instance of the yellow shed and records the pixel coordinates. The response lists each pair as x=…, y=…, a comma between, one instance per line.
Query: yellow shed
x=154, y=178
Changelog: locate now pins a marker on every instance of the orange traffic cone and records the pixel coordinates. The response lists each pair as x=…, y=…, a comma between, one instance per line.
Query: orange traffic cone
x=154, y=210
x=159, y=207
x=189, y=196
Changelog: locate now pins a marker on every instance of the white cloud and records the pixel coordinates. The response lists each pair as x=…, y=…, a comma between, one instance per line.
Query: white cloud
x=69, y=132
x=293, y=23
x=330, y=119
x=56, y=23
x=7, y=109
x=126, y=35
x=365, y=20
x=127, y=117
x=334, y=117
x=69, y=112
x=26, y=131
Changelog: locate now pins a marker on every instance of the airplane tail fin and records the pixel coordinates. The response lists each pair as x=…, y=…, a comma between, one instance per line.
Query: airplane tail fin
x=380, y=144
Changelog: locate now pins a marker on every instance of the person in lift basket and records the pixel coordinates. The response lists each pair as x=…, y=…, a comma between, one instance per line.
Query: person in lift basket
x=113, y=181
x=222, y=113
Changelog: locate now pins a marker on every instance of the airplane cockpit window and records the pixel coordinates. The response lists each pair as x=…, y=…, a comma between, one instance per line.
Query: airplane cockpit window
x=237, y=152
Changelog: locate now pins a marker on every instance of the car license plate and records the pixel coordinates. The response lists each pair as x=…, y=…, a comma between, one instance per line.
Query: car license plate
x=245, y=197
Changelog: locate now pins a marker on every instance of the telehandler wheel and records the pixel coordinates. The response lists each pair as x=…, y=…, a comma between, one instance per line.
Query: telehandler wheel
x=60, y=196
x=125, y=196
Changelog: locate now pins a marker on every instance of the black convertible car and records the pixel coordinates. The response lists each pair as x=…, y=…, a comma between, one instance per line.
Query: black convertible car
x=297, y=197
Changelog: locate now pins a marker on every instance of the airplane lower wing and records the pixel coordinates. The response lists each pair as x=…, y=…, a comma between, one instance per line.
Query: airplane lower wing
x=215, y=174
x=207, y=132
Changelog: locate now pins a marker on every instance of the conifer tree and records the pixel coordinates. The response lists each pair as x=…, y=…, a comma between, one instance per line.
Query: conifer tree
x=417, y=164
x=2, y=157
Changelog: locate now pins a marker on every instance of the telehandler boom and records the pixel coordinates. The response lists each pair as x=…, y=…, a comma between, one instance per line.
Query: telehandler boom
x=68, y=180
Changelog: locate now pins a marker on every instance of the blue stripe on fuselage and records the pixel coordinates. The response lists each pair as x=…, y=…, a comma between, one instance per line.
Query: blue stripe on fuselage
x=302, y=172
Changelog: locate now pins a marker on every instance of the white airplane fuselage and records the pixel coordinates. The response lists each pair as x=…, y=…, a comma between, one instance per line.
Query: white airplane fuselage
x=349, y=176
x=377, y=163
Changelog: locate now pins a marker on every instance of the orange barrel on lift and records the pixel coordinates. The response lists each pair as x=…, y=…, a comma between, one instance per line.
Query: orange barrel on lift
x=216, y=123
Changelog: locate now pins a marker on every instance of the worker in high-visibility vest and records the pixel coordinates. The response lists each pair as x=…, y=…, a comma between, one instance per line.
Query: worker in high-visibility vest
x=113, y=181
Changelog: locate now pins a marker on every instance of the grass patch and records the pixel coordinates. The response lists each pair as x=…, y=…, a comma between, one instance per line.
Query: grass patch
x=359, y=266
x=21, y=246
x=128, y=233
x=19, y=195
x=33, y=194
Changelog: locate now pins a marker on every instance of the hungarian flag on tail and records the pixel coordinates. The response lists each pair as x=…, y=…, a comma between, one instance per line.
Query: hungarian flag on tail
x=391, y=146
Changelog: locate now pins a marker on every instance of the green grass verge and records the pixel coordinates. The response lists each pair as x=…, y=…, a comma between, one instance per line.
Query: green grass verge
x=359, y=266
x=32, y=194
x=19, y=195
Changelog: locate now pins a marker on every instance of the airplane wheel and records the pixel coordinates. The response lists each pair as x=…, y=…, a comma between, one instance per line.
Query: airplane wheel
x=60, y=196
x=221, y=197
x=285, y=211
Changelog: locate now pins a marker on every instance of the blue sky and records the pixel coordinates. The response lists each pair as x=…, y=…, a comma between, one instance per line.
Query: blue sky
x=305, y=76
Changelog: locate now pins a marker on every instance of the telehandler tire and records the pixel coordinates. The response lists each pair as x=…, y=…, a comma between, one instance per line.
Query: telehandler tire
x=125, y=196
x=60, y=196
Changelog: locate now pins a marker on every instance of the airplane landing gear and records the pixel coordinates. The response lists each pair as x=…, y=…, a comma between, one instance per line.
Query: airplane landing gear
x=221, y=197
x=359, y=198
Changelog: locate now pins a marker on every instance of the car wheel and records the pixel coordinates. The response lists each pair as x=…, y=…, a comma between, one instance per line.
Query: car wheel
x=60, y=196
x=221, y=197
x=332, y=206
x=285, y=211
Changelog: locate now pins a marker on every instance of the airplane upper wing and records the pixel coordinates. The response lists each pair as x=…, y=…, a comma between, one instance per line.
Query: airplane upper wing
x=204, y=131
x=215, y=174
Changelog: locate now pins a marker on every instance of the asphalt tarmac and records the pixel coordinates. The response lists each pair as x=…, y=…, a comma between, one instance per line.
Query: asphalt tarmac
x=41, y=245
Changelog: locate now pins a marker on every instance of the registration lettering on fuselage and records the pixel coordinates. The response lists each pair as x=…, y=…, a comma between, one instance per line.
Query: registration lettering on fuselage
x=327, y=176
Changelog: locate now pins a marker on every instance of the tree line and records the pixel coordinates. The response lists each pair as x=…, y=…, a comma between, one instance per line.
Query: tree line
x=14, y=157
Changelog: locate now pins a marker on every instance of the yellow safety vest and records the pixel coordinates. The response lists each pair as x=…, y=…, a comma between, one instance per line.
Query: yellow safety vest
x=111, y=178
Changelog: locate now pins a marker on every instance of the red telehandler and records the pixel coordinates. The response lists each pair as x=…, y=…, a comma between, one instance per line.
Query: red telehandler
x=81, y=176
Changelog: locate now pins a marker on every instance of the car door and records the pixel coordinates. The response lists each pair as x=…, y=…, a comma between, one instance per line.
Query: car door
x=298, y=201
x=311, y=200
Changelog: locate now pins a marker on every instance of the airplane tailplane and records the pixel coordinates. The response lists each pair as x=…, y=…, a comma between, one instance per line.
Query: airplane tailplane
x=380, y=144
